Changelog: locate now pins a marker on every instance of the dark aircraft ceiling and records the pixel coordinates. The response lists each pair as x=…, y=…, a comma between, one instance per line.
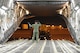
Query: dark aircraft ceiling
x=43, y=8
x=44, y=11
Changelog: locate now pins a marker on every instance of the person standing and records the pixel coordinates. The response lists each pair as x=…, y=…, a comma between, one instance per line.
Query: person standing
x=35, y=27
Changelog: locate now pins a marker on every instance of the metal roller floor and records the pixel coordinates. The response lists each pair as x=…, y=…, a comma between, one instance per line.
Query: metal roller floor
x=42, y=46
